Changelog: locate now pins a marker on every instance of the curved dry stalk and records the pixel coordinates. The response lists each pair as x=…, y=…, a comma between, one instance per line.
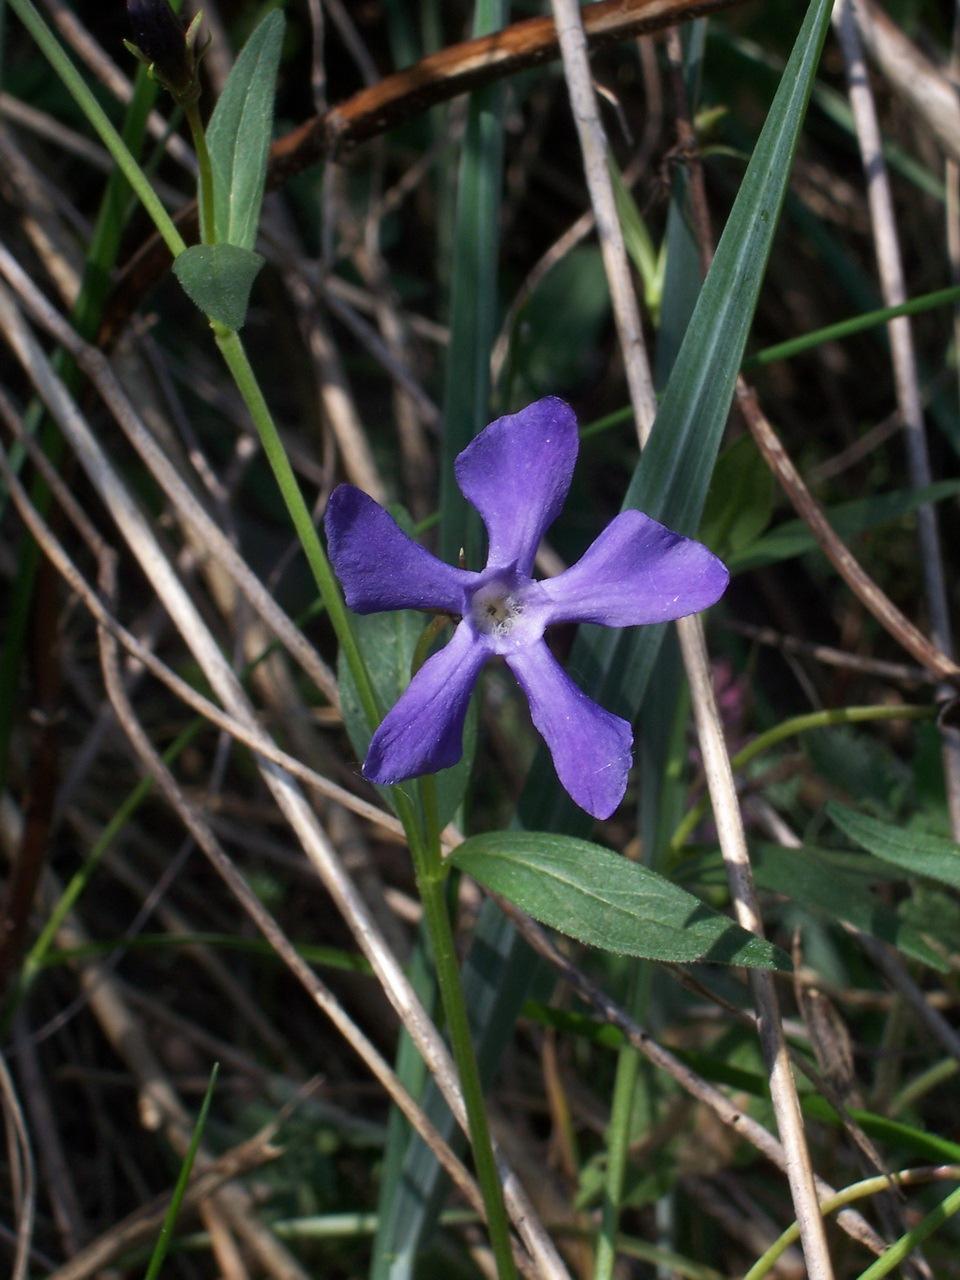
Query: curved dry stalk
x=56, y=553
x=318, y=992
x=97, y=368
x=783, y=1091
x=22, y=1172
x=847, y=18
x=291, y=802
x=726, y=1111
x=834, y=548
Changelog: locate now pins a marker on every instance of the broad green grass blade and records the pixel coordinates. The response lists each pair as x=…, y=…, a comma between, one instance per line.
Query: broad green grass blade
x=671, y=483
x=173, y=1210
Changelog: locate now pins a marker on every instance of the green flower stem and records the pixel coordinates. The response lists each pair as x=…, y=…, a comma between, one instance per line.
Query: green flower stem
x=232, y=350
x=850, y=1195
x=428, y=864
x=618, y=1147
x=920, y=1085
x=80, y=92
x=854, y=324
x=902, y=1248
x=431, y=875
x=788, y=729
x=208, y=232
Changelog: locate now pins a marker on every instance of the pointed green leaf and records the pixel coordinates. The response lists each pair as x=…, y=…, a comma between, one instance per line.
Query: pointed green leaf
x=218, y=278
x=793, y=537
x=810, y=877
x=913, y=851
x=607, y=901
x=238, y=134
x=740, y=501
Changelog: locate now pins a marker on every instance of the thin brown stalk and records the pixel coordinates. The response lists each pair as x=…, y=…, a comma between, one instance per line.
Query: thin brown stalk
x=847, y=17
x=897, y=672
x=693, y=648
x=723, y=1108
x=835, y=549
x=290, y=800
x=22, y=1171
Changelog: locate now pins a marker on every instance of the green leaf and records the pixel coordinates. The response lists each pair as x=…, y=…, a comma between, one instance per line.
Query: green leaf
x=793, y=537
x=600, y=898
x=649, y=261
x=920, y=854
x=387, y=642
x=740, y=501
x=858, y=764
x=159, y=1254
x=810, y=877
x=238, y=134
x=556, y=334
x=218, y=278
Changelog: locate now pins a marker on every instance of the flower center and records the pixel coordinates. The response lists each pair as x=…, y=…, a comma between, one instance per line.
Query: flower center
x=495, y=610
x=506, y=610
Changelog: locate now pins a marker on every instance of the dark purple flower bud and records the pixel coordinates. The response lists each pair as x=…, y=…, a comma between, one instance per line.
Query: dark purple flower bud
x=161, y=41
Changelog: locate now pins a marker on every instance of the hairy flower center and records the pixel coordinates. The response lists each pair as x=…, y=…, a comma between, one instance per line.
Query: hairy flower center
x=495, y=610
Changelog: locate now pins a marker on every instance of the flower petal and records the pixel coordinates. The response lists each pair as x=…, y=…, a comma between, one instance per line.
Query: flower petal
x=591, y=747
x=637, y=571
x=516, y=473
x=379, y=567
x=423, y=731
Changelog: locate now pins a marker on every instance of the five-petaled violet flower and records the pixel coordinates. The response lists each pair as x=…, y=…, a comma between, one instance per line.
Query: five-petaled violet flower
x=516, y=473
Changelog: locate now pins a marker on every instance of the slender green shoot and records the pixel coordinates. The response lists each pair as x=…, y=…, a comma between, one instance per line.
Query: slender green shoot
x=179, y=1191
x=789, y=729
x=81, y=93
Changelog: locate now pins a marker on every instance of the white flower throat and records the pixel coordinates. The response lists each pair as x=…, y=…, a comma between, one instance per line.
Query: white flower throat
x=495, y=609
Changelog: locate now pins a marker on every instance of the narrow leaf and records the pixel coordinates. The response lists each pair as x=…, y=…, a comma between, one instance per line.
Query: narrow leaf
x=238, y=134
x=218, y=278
x=793, y=537
x=176, y=1200
x=607, y=901
x=812, y=879
x=913, y=851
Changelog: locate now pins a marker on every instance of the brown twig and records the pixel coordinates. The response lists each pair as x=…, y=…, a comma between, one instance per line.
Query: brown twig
x=688, y=1080
x=834, y=548
x=400, y=97
x=141, y=1226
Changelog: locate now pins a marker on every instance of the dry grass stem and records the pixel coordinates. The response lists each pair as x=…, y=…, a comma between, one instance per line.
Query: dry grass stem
x=720, y=780
x=848, y=16
x=290, y=800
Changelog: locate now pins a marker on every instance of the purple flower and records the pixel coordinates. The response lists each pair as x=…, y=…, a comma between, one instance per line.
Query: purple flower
x=516, y=473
